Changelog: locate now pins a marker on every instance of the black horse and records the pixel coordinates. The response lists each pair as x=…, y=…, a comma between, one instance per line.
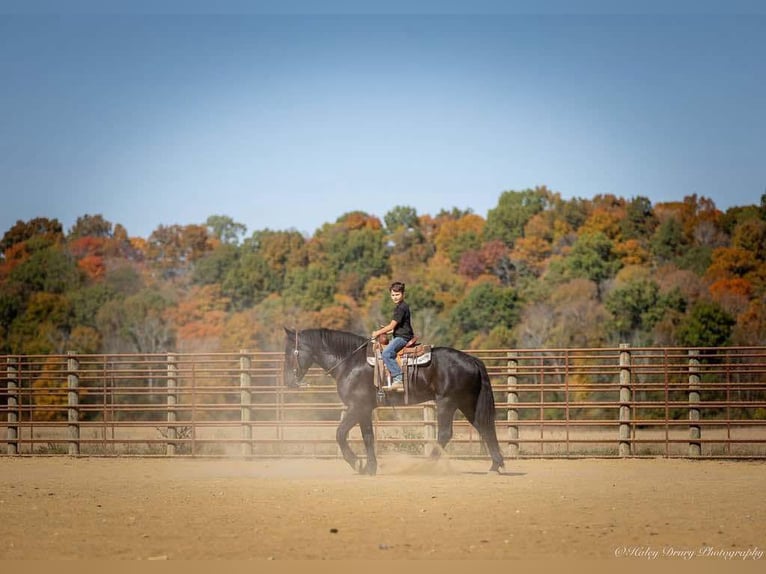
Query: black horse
x=455, y=380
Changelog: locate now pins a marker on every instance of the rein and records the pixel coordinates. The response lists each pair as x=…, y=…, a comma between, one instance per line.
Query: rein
x=331, y=369
x=351, y=354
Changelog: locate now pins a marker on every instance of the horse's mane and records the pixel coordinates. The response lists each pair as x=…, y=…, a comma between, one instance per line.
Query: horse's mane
x=339, y=342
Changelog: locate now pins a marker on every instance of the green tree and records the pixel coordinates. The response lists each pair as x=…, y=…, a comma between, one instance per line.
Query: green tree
x=706, y=325
x=86, y=302
x=593, y=257
x=401, y=217
x=49, y=269
x=91, y=226
x=514, y=209
x=214, y=266
x=640, y=220
x=352, y=249
x=225, y=229
x=249, y=280
x=310, y=289
x=668, y=241
x=486, y=306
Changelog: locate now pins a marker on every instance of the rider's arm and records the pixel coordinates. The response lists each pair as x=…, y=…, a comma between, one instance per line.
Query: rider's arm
x=387, y=329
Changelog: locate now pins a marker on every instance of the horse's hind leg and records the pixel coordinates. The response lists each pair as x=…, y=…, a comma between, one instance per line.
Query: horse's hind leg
x=445, y=413
x=350, y=418
x=489, y=435
x=490, y=438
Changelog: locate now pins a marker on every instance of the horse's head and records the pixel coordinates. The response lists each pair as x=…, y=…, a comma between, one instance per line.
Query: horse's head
x=298, y=358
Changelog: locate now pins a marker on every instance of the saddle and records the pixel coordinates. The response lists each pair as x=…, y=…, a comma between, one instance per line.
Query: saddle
x=413, y=353
x=410, y=358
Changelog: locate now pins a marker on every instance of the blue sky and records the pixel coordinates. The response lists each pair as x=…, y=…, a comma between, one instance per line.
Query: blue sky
x=286, y=118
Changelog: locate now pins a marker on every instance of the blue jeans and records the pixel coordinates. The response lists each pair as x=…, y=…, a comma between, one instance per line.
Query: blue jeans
x=389, y=356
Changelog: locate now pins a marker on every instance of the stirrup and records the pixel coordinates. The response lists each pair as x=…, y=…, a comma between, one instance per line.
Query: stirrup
x=395, y=386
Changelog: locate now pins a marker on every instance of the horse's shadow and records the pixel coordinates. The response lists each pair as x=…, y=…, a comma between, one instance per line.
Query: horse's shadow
x=497, y=474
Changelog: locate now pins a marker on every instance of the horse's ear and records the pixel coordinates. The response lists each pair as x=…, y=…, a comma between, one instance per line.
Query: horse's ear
x=289, y=332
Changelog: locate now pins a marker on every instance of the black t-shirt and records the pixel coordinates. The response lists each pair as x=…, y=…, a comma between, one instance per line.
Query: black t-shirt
x=402, y=317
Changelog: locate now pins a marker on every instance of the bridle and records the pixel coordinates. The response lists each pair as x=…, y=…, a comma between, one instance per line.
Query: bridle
x=296, y=362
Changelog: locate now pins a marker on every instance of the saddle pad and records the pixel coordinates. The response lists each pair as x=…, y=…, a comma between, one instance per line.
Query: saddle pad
x=417, y=355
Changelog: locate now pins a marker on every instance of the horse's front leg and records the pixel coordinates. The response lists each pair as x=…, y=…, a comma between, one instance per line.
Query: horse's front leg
x=350, y=418
x=368, y=435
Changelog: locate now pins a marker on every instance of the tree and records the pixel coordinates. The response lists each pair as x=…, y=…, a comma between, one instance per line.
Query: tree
x=214, y=266
x=593, y=257
x=90, y=226
x=637, y=306
x=249, y=280
x=199, y=318
x=668, y=241
x=401, y=216
x=137, y=323
x=640, y=221
x=750, y=235
x=707, y=325
x=50, y=229
x=49, y=269
x=352, y=250
x=486, y=306
x=225, y=229
x=456, y=236
x=43, y=326
x=506, y=221
x=311, y=288
x=174, y=248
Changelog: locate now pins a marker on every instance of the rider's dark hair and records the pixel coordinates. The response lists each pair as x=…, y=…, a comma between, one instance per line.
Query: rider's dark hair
x=397, y=286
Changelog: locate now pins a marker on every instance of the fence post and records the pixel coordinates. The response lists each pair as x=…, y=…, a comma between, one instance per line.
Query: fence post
x=429, y=422
x=245, y=400
x=512, y=398
x=171, y=402
x=73, y=402
x=625, y=446
x=12, y=432
x=695, y=434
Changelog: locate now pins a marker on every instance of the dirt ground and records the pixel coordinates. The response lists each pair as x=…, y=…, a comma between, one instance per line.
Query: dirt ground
x=633, y=510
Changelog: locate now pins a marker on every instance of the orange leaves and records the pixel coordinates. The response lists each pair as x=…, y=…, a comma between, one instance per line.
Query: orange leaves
x=730, y=262
x=533, y=253
x=201, y=315
x=360, y=220
x=631, y=252
x=455, y=236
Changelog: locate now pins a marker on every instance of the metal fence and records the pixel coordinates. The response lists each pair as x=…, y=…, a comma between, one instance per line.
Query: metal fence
x=614, y=402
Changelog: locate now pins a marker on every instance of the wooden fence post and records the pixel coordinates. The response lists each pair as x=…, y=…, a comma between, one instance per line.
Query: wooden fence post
x=625, y=446
x=73, y=402
x=512, y=398
x=245, y=400
x=429, y=422
x=171, y=402
x=12, y=432
x=695, y=434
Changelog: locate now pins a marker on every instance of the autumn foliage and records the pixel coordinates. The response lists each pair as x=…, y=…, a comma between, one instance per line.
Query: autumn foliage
x=537, y=271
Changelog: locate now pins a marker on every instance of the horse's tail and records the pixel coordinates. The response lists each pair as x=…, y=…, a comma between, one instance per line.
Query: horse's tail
x=485, y=403
x=484, y=418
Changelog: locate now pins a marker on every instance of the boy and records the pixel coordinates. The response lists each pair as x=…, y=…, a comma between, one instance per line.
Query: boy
x=401, y=326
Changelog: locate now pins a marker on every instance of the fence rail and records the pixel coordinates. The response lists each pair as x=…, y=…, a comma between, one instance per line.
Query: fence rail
x=621, y=402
